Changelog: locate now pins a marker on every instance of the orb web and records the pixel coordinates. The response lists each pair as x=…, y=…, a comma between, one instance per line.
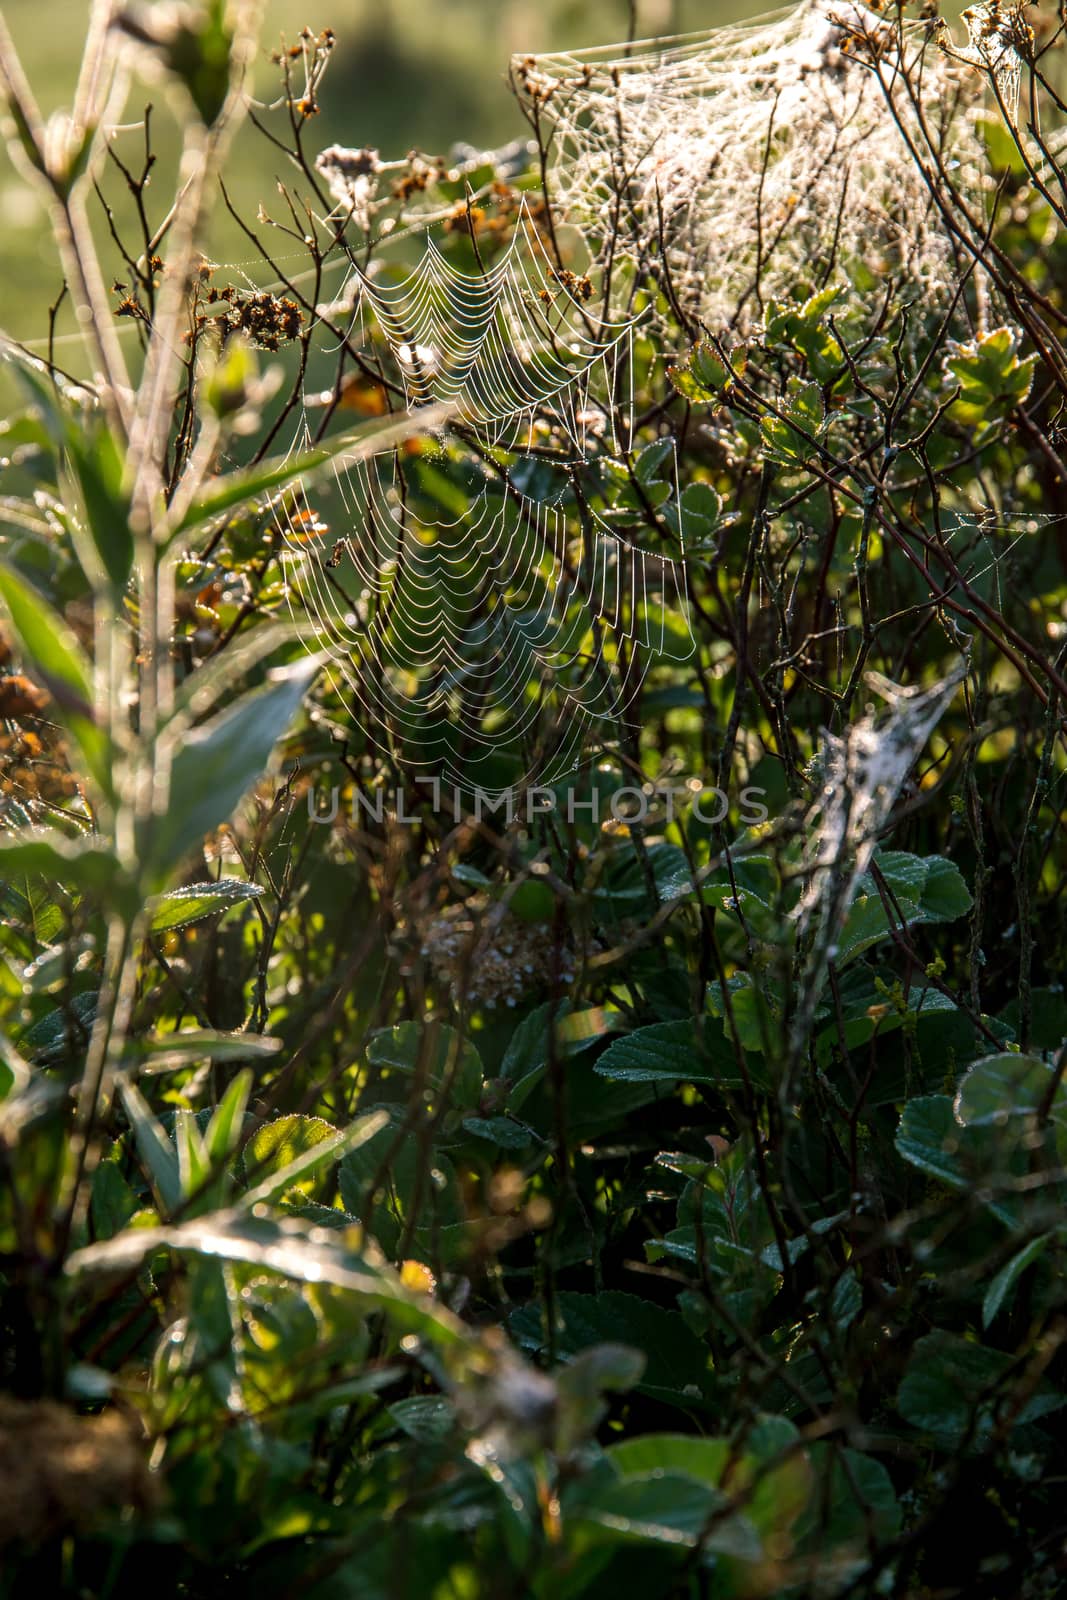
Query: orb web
x=472, y=590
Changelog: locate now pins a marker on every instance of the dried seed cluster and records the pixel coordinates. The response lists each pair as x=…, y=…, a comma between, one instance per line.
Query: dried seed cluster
x=579, y=287
x=269, y=320
x=481, y=951
x=314, y=51
x=33, y=759
x=496, y=220
x=33, y=772
x=422, y=171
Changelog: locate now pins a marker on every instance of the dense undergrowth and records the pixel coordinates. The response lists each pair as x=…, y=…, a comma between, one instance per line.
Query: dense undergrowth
x=398, y=1198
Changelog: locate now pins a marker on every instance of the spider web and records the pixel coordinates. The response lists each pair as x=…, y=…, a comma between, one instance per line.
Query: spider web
x=488, y=344
x=994, y=33
x=758, y=160
x=472, y=595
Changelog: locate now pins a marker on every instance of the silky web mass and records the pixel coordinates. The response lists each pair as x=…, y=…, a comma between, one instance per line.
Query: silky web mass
x=760, y=161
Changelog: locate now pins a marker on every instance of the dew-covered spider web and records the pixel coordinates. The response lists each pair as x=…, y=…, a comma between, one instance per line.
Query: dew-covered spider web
x=995, y=35
x=471, y=589
x=493, y=594
x=860, y=772
x=763, y=160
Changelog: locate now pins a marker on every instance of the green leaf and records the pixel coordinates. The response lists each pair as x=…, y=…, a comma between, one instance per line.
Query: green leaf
x=224, y=1131
x=704, y=376
x=677, y=1364
x=224, y=387
x=440, y=1054
x=532, y=901
x=501, y=1131
x=99, y=467
x=681, y=1453
x=158, y=1155
x=623, y=890
x=180, y=907
x=372, y=438
x=194, y=1165
x=1002, y=1287
x=294, y=1154
x=216, y=764
x=49, y=1040
x=942, y=895
x=427, y=1418
x=112, y=1202
x=697, y=516
x=925, y=890
x=526, y=1057
x=97, y=462
x=291, y=1249
x=651, y=459
x=858, y=1499
x=953, y=1388
x=80, y=864
x=416, y=1191
x=1003, y=1098
x=1000, y=1088
x=677, y=1490
x=278, y=1144
x=673, y=1052
x=668, y=1510
x=1048, y=1021
x=791, y=438
x=931, y=1138
x=163, y=1052
x=767, y=1473
x=48, y=644
x=991, y=377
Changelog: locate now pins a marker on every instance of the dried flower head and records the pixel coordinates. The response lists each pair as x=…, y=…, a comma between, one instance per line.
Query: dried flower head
x=352, y=178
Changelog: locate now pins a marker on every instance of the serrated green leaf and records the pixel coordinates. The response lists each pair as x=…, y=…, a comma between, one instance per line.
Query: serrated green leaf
x=953, y=1387
x=673, y=1052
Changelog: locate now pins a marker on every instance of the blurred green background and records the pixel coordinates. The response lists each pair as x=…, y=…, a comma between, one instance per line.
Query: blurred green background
x=405, y=74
